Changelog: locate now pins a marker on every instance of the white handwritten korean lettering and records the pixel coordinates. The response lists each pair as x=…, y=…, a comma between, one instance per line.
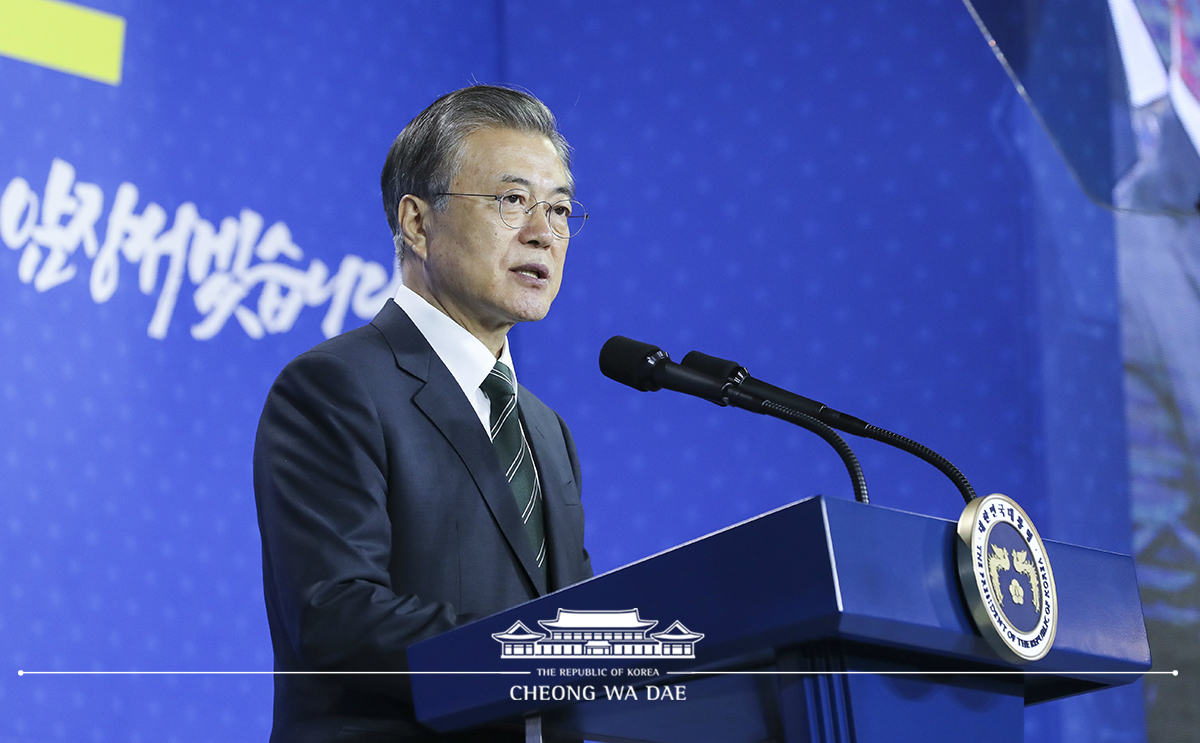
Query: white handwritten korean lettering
x=227, y=265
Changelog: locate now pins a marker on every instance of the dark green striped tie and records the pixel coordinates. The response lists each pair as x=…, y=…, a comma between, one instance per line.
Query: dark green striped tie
x=516, y=459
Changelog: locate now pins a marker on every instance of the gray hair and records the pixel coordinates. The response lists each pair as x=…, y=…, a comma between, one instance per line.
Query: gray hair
x=428, y=153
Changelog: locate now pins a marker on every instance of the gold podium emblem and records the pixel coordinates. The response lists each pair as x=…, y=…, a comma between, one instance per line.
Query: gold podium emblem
x=1007, y=579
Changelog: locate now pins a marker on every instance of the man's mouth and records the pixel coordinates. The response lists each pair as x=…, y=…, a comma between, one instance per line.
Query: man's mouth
x=533, y=271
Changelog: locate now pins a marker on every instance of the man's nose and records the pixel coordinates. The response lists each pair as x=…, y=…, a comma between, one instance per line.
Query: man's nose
x=537, y=230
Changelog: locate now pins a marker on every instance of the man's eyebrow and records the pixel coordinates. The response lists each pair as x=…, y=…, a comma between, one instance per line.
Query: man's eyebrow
x=526, y=183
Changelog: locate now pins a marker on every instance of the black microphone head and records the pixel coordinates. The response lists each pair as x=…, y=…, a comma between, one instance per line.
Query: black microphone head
x=631, y=362
x=712, y=366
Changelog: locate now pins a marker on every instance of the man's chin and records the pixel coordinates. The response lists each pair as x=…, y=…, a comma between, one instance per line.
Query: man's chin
x=531, y=310
x=532, y=316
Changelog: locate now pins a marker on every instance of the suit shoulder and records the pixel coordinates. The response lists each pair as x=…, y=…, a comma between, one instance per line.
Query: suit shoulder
x=359, y=359
x=351, y=345
x=368, y=348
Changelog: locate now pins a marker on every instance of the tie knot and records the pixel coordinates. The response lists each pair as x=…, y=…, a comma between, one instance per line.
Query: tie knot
x=498, y=384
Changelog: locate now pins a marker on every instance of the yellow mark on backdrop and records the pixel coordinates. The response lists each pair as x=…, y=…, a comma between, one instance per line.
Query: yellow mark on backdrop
x=64, y=36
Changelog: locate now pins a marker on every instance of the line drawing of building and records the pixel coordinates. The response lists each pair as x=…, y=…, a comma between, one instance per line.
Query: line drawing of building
x=589, y=634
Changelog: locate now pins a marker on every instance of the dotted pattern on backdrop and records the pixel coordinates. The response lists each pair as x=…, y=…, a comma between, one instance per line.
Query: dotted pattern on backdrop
x=829, y=195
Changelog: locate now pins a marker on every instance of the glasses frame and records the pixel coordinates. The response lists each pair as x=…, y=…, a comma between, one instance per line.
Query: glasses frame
x=529, y=212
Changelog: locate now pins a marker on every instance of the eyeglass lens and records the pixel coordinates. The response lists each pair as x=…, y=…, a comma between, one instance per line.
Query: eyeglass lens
x=517, y=207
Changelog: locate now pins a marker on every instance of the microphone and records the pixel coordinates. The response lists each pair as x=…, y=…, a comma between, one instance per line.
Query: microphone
x=648, y=368
x=769, y=395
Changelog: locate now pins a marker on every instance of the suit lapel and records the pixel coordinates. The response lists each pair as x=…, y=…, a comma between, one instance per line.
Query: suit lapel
x=554, y=472
x=442, y=401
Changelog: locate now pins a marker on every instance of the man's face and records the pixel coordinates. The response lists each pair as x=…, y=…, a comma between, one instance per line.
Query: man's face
x=484, y=274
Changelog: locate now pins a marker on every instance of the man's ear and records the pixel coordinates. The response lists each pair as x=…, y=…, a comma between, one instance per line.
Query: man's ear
x=413, y=218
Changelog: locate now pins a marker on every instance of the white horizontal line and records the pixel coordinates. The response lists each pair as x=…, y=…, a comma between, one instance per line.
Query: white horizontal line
x=528, y=673
x=270, y=673
x=917, y=673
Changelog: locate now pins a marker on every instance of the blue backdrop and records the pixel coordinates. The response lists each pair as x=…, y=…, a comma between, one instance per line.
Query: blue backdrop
x=850, y=199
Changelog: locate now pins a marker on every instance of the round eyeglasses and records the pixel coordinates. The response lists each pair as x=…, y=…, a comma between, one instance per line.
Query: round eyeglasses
x=516, y=207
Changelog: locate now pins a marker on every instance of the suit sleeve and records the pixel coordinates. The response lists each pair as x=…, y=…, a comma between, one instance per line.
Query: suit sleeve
x=321, y=492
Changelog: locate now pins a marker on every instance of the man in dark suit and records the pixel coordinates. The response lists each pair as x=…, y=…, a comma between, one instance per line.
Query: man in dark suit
x=397, y=496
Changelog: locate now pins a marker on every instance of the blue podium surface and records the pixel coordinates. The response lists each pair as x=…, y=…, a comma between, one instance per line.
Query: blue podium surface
x=823, y=620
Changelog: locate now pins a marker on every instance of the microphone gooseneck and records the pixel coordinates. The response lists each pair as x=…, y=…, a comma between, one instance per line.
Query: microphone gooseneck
x=737, y=375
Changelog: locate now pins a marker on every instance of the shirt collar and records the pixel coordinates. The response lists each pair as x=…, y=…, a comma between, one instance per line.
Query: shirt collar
x=467, y=358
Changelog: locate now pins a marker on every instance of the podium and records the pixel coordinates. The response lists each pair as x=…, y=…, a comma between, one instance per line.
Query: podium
x=824, y=620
